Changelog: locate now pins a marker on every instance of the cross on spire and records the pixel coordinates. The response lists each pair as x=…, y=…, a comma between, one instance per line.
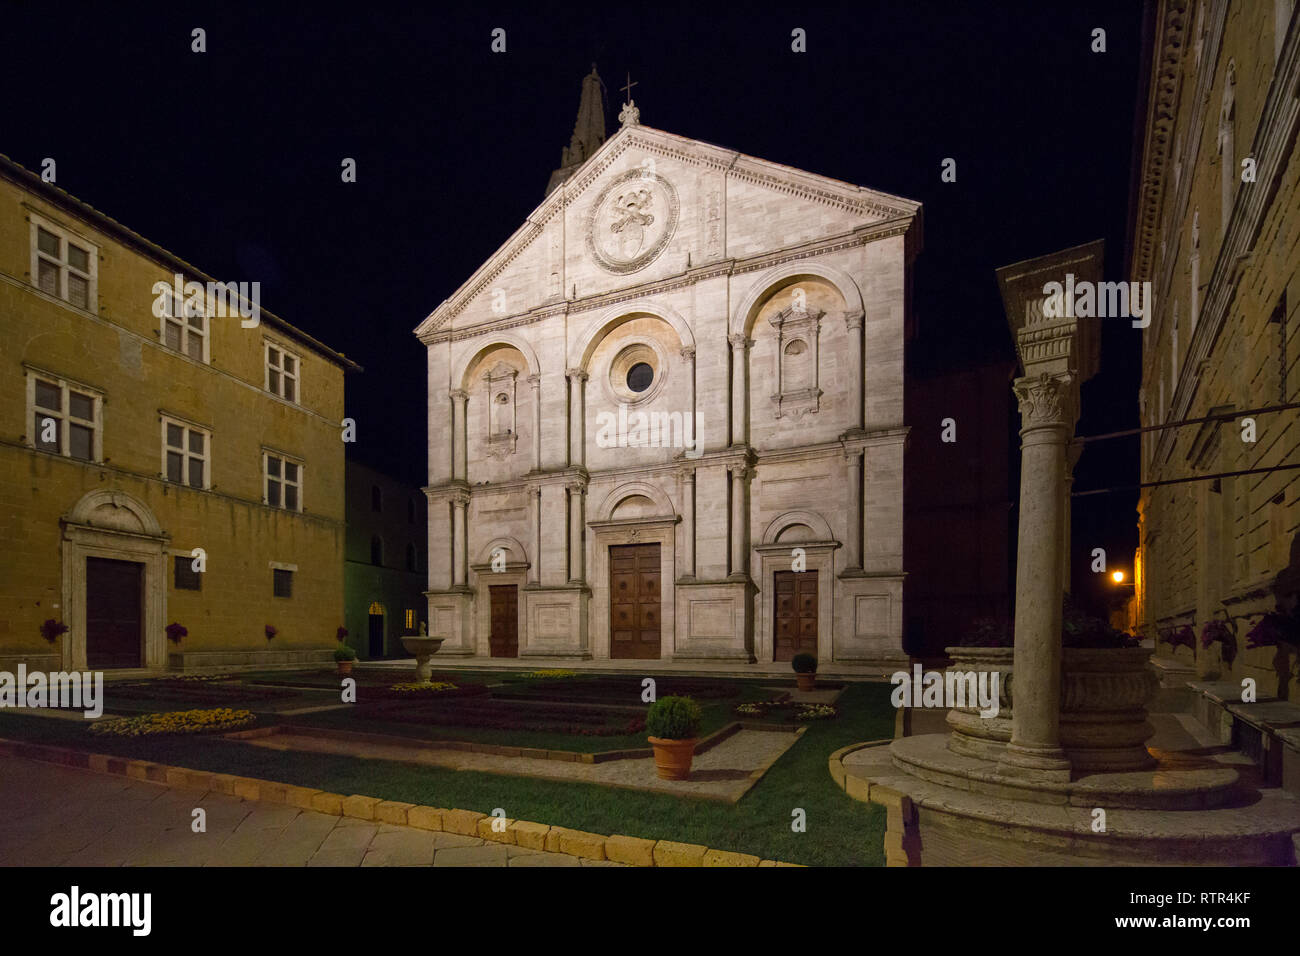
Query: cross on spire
x=628, y=89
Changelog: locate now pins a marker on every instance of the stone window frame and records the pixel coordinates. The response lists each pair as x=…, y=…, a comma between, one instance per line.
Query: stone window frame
x=187, y=428
x=181, y=317
x=797, y=325
x=64, y=415
x=502, y=428
x=185, y=559
x=295, y=376
x=62, y=264
x=634, y=352
x=267, y=478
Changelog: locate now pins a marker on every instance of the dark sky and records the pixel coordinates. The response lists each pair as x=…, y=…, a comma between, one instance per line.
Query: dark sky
x=231, y=158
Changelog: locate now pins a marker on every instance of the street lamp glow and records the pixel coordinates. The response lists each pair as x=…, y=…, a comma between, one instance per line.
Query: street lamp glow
x=1118, y=577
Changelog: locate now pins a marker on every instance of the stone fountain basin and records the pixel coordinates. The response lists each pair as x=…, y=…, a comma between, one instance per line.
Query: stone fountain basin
x=421, y=646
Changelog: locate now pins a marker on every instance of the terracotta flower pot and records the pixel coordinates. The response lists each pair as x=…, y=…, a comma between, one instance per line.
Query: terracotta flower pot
x=345, y=667
x=673, y=757
x=806, y=681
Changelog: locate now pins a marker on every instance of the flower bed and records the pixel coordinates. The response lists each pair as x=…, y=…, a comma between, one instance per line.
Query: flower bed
x=415, y=687
x=787, y=708
x=553, y=674
x=217, y=720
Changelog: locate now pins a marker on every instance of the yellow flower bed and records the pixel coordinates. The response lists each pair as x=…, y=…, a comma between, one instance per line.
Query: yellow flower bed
x=549, y=674
x=174, y=722
x=413, y=686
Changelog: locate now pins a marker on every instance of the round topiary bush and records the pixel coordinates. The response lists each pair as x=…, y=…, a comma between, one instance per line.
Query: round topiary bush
x=673, y=718
x=804, y=664
x=344, y=653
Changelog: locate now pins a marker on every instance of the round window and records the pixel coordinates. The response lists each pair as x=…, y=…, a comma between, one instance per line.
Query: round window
x=640, y=376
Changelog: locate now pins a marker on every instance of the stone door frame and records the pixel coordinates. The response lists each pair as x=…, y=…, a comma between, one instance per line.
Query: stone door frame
x=117, y=526
x=820, y=557
x=657, y=529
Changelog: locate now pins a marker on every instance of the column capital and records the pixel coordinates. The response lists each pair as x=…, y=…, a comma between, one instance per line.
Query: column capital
x=853, y=319
x=534, y=380
x=688, y=352
x=739, y=341
x=575, y=374
x=576, y=486
x=685, y=472
x=1045, y=399
x=460, y=497
x=741, y=472
x=458, y=394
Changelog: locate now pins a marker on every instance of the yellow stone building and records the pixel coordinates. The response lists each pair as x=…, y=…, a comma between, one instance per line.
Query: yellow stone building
x=1217, y=234
x=138, y=427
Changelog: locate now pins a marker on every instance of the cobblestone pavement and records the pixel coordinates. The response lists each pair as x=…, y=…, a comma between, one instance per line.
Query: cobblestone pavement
x=724, y=772
x=60, y=816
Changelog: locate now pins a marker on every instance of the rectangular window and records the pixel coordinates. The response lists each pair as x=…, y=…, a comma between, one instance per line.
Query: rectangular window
x=282, y=582
x=185, y=325
x=185, y=578
x=63, y=264
x=410, y=619
x=283, y=482
x=282, y=371
x=186, y=450
x=65, y=417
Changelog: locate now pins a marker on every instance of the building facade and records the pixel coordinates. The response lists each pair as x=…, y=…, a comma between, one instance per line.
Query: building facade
x=666, y=417
x=384, y=562
x=160, y=462
x=1217, y=233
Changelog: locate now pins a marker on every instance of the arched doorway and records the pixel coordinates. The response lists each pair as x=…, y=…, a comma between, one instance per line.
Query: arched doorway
x=375, y=645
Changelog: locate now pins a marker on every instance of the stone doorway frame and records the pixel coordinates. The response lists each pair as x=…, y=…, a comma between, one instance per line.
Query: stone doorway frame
x=654, y=529
x=114, y=525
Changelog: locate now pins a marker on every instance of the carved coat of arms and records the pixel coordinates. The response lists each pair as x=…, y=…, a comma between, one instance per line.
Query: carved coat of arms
x=632, y=221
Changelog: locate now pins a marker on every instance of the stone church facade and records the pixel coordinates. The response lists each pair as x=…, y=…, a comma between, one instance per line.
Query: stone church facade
x=666, y=417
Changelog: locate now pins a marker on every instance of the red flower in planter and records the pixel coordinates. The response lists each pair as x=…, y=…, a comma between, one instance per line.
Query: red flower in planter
x=51, y=630
x=176, y=631
x=271, y=631
x=1217, y=630
x=341, y=634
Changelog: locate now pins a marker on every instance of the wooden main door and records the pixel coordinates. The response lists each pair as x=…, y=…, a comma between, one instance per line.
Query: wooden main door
x=634, y=601
x=504, y=637
x=114, y=632
x=795, y=614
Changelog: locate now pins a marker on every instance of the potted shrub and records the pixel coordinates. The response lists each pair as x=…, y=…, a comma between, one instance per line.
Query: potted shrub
x=805, y=670
x=345, y=656
x=673, y=723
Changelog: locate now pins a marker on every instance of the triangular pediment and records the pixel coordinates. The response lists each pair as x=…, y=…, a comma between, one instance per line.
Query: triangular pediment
x=648, y=205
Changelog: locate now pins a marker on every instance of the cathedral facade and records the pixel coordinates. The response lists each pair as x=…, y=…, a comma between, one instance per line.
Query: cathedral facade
x=666, y=417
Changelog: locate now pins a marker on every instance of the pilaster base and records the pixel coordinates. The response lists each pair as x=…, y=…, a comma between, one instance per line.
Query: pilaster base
x=451, y=617
x=714, y=620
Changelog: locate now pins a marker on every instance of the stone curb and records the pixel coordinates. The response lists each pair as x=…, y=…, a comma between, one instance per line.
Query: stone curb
x=634, y=851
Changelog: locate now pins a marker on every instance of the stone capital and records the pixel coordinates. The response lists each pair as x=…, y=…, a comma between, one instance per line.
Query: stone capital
x=1045, y=399
x=576, y=486
x=741, y=472
x=688, y=353
x=853, y=319
x=576, y=374
x=458, y=394
x=459, y=497
x=535, y=381
x=739, y=341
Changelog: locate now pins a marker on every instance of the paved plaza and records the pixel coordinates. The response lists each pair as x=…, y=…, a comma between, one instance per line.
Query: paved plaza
x=60, y=816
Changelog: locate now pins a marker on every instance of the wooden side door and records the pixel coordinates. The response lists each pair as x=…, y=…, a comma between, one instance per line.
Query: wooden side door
x=504, y=636
x=795, y=614
x=114, y=614
x=635, y=601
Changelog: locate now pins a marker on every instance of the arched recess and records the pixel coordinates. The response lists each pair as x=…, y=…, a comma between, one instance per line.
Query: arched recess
x=820, y=526
x=634, y=489
x=774, y=280
x=114, y=511
x=515, y=554
x=598, y=328
x=460, y=368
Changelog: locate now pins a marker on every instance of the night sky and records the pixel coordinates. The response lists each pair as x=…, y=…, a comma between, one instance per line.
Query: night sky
x=231, y=158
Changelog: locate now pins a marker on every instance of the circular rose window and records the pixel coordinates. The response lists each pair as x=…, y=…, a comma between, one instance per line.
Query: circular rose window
x=640, y=376
x=636, y=374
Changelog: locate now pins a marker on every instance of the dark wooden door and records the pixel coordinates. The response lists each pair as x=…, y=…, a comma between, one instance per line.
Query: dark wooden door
x=504, y=638
x=376, y=635
x=634, y=601
x=796, y=613
x=114, y=631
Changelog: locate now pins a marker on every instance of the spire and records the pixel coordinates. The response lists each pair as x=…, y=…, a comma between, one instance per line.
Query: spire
x=588, y=131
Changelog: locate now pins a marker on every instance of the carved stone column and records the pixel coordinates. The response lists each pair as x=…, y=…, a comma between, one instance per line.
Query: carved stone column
x=577, y=523
x=686, y=476
x=536, y=382
x=853, y=322
x=853, y=555
x=739, y=565
x=535, y=564
x=460, y=509
x=577, y=409
x=459, y=446
x=1047, y=420
x=1072, y=452
x=688, y=354
x=739, y=386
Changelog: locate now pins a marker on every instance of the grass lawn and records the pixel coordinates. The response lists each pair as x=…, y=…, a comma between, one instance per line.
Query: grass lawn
x=840, y=831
